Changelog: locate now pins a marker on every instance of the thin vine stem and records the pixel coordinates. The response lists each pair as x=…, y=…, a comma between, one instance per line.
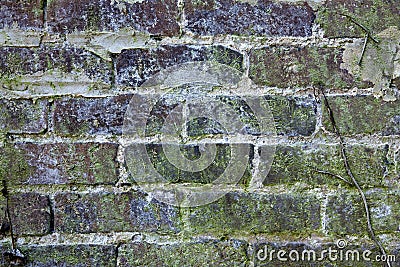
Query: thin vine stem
x=349, y=172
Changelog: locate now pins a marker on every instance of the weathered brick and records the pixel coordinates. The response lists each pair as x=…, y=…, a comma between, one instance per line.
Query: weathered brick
x=175, y=174
x=363, y=114
x=256, y=213
x=292, y=116
x=112, y=212
x=346, y=213
x=304, y=162
x=289, y=66
x=21, y=13
x=52, y=66
x=23, y=116
x=134, y=66
x=60, y=163
x=30, y=213
x=152, y=16
x=69, y=255
x=265, y=18
x=79, y=116
x=374, y=15
x=204, y=252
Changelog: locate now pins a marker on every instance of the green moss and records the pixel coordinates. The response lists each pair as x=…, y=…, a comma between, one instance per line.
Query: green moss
x=241, y=213
x=375, y=15
x=302, y=164
x=195, y=253
x=14, y=168
x=362, y=114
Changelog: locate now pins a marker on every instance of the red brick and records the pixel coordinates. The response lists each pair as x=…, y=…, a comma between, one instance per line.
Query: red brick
x=30, y=213
x=26, y=14
x=23, y=116
x=135, y=66
x=113, y=212
x=291, y=66
x=62, y=163
x=152, y=16
x=80, y=116
x=266, y=18
x=63, y=62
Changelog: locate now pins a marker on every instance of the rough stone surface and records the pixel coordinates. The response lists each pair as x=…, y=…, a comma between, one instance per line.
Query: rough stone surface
x=347, y=214
x=305, y=162
x=293, y=116
x=23, y=116
x=196, y=253
x=83, y=189
x=289, y=66
x=340, y=18
x=52, y=66
x=82, y=116
x=134, y=66
x=112, y=212
x=214, y=171
x=70, y=255
x=22, y=14
x=155, y=17
x=60, y=163
x=256, y=213
x=30, y=214
x=363, y=115
x=265, y=18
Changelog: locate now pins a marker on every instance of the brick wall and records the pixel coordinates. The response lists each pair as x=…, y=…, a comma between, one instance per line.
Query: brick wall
x=68, y=70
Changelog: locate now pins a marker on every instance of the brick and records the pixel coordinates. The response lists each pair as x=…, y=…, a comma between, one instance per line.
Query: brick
x=346, y=213
x=302, y=253
x=22, y=68
x=363, y=115
x=82, y=116
x=23, y=116
x=69, y=255
x=134, y=66
x=290, y=66
x=292, y=116
x=176, y=174
x=21, y=13
x=112, y=212
x=203, y=252
x=375, y=15
x=301, y=162
x=60, y=163
x=266, y=18
x=255, y=213
x=30, y=213
x=154, y=17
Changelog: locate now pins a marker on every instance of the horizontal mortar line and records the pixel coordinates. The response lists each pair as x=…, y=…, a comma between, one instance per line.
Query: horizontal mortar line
x=187, y=39
x=116, y=238
x=227, y=40
x=54, y=139
x=86, y=189
x=369, y=140
x=258, y=91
